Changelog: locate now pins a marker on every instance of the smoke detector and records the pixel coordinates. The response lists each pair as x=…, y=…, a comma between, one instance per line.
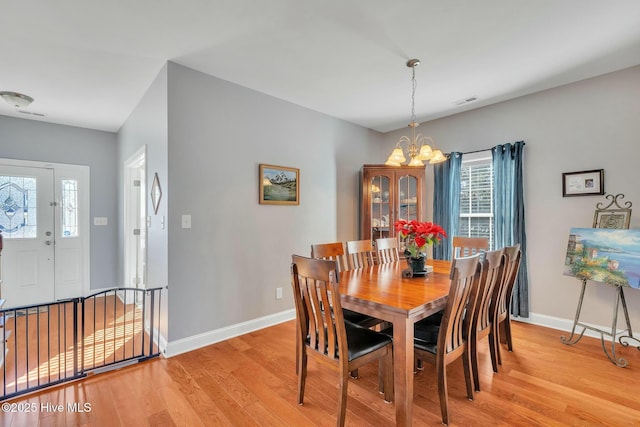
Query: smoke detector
x=17, y=100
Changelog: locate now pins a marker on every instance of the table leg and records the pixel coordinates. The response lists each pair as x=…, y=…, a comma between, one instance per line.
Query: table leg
x=403, y=356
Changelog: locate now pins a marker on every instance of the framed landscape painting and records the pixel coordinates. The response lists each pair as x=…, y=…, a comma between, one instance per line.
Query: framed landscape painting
x=604, y=255
x=279, y=185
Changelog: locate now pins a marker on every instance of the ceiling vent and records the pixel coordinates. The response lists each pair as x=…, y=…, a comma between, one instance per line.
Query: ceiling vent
x=31, y=113
x=464, y=101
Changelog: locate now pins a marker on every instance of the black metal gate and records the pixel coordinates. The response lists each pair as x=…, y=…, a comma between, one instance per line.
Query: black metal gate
x=47, y=344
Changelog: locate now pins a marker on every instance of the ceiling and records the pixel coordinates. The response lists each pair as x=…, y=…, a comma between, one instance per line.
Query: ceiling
x=87, y=63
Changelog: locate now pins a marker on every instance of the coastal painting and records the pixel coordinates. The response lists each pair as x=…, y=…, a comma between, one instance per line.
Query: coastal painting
x=279, y=185
x=604, y=255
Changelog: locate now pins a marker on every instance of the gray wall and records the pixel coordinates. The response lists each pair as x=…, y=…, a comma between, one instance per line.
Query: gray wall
x=592, y=124
x=32, y=140
x=146, y=127
x=224, y=270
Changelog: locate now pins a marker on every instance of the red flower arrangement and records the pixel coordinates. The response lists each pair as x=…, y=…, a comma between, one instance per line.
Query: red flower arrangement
x=419, y=235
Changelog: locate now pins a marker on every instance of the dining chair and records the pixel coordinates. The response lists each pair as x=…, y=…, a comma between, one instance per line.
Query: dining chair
x=337, y=253
x=333, y=251
x=447, y=342
x=467, y=246
x=501, y=300
x=360, y=253
x=327, y=337
x=481, y=325
x=387, y=250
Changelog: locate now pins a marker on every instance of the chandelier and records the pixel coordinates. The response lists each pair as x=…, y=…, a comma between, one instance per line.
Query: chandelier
x=417, y=147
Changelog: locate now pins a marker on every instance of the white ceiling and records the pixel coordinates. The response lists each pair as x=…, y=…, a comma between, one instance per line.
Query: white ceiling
x=87, y=63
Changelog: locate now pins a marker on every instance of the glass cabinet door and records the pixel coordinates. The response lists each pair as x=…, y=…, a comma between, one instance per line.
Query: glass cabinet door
x=407, y=198
x=407, y=201
x=380, y=207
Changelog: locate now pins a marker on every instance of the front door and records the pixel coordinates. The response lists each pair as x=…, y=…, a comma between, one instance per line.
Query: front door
x=27, y=225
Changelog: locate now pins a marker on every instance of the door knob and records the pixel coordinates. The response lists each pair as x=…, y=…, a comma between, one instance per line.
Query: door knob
x=47, y=242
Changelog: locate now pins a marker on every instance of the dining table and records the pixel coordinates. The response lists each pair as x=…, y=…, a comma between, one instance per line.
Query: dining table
x=383, y=291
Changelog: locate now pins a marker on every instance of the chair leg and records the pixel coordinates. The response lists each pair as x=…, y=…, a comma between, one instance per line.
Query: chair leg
x=442, y=391
x=387, y=376
x=354, y=374
x=499, y=339
x=493, y=350
x=466, y=364
x=502, y=333
x=507, y=332
x=302, y=375
x=342, y=399
x=473, y=341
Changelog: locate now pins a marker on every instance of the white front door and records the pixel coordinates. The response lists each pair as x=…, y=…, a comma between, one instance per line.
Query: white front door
x=27, y=225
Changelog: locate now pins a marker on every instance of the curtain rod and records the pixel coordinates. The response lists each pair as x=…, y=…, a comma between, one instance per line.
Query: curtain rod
x=477, y=151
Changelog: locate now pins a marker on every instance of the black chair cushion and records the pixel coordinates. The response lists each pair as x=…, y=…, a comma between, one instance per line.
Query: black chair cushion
x=362, y=341
x=359, y=318
x=434, y=319
x=426, y=337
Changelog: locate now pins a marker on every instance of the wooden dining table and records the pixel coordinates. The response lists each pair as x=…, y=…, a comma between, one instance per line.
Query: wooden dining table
x=382, y=291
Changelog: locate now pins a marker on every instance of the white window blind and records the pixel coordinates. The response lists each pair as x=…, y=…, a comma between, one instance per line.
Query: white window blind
x=476, y=198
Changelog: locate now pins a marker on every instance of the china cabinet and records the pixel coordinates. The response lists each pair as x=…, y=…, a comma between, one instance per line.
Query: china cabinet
x=390, y=193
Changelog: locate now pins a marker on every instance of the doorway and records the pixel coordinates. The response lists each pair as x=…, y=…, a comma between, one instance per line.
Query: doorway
x=135, y=222
x=44, y=220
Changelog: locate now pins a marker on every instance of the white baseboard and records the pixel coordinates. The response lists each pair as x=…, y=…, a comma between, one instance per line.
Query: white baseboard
x=194, y=342
x=564, y=325
x=173, y=348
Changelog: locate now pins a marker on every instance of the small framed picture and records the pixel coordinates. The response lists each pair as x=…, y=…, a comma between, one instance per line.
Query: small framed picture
x=279, y=185
x=585, y=183
x=156, y=193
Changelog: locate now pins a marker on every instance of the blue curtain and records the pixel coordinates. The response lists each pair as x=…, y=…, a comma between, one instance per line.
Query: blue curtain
x=446, y=202
x=508, y=211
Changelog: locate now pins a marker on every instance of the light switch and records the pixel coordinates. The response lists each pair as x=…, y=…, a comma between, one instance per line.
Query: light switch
x=186, y=221
x=99, y=220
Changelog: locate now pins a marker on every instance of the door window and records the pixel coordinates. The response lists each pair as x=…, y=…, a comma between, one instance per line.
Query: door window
x=18, y=207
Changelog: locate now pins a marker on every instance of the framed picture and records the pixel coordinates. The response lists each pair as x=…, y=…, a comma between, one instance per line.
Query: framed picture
x=156, y=193
x=613, y=215
x=585, y=183
x=604, y=255
x=279, y=185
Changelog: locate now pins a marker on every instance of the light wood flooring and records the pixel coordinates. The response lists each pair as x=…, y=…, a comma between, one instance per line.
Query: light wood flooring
x=250, y=380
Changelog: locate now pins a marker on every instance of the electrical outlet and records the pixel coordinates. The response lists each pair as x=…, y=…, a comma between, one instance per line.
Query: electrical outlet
x=278, y=293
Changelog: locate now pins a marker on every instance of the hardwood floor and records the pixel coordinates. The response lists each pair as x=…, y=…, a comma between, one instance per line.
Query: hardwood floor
x=250, y=380
x=41, y=350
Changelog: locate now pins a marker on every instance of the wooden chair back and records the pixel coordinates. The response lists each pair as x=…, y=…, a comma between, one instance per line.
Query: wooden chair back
x=464, y=272
x=323, y=332
x=318, y=309
x=501, y=300
x=360, y=253
x=331, y=251
x=387, y=250
x=481, y=325
x=453, y=331
x=468, y=246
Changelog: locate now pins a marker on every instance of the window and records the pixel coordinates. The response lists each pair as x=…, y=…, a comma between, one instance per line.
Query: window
x=69, y=208
x=476, y=197
x=18, y=207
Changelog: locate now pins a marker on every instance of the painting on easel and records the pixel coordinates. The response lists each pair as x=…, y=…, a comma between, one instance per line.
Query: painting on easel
x=604, y=255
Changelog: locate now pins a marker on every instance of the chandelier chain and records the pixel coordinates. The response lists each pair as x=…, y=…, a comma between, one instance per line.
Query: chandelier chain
x=414, y=84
